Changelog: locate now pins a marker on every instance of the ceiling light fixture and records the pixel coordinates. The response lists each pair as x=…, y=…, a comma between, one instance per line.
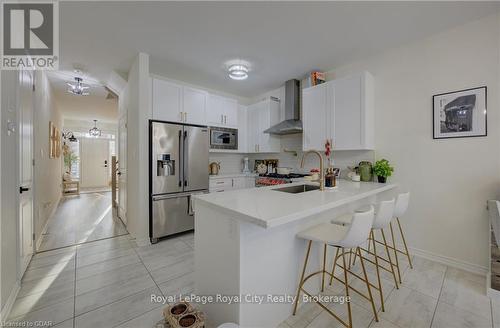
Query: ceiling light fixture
x=95, y=132
x=238, y=72
x=78, y=88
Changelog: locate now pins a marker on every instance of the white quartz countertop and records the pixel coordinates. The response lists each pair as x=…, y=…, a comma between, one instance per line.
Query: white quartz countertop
x=269, y=208
x=233, y=175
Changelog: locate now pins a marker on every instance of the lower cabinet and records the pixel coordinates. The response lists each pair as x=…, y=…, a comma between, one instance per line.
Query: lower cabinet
x=224, y=184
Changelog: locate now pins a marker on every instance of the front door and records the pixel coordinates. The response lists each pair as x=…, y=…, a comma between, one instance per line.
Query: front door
x=122, y=168
x=25, y=240
x=94, y=159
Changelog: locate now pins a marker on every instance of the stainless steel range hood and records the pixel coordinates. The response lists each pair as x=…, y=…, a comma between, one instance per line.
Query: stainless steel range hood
x=292, y=123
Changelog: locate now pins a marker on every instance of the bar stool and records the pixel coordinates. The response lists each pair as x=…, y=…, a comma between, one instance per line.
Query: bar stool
x=383, y=217
x=400, y=208
x=348, y=237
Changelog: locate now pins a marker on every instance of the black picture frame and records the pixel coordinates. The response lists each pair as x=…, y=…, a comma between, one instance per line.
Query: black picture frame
x=437, y=112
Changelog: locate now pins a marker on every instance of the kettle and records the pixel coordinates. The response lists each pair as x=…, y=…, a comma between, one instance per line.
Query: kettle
x=213, y=168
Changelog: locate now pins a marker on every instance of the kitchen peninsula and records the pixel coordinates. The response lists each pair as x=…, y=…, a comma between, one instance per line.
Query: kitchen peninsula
x=246, y=245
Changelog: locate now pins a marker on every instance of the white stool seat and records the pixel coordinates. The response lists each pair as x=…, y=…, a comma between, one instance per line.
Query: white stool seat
x=325, y=233
x=343, y=220
x=228, y=325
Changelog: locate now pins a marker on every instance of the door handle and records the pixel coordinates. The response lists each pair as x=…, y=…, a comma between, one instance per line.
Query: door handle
x=23, y=189
x=180, y=152
x=185, y=161
x=190, y=205
x=225, y=119
x=185, y=116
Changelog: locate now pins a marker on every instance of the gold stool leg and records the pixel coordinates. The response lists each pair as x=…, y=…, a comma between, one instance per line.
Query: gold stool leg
x=390, y=259
x=404, y=242
x=334, y=265
x=395, y=252
x=324, y=270
x=378, y=272
x=302, y=277
x=346, y=283
x=358, y=250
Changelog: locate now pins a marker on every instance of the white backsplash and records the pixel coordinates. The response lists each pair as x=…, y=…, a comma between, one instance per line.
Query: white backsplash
x=233, y=163
x=229, y=162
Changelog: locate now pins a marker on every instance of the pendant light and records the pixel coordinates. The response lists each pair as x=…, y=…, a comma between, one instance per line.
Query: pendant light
x=78, y=88
x=95, y=132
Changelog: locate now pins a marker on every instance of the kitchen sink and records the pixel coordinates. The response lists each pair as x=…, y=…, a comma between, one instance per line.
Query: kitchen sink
x=298, y=189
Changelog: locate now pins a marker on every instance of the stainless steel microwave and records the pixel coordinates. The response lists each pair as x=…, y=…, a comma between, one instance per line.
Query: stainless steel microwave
x=223, y=138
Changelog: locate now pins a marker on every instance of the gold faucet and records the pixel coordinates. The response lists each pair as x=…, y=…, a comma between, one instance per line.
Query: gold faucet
x=321, y=171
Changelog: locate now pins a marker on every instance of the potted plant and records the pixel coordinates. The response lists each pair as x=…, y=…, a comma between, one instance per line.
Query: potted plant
x=383, y=170
x=69, y=158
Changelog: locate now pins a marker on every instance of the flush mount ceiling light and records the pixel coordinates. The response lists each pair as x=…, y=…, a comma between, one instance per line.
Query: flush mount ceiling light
x=78, y=88
x=238, y=72
x=95, y=132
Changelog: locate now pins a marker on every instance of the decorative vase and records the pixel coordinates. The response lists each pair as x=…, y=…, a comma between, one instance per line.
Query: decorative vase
x=381, y=179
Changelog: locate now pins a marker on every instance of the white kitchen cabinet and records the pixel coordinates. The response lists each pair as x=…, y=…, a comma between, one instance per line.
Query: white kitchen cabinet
x=167, y=101
x=176, y=103
x=262, y=116
x=219, y=184
x=314, y=113
x=222, y=111
x=341, y=110
x=194, y=106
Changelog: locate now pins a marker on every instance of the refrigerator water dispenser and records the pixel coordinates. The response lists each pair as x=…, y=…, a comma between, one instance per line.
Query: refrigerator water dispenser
x=164, y=165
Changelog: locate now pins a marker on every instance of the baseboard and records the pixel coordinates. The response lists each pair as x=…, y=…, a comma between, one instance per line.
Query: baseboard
x=142, y=242
x=46, y=224
x=4, y=314
x=470, y=267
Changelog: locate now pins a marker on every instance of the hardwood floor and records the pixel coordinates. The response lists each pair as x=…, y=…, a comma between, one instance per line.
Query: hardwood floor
x=80, y=219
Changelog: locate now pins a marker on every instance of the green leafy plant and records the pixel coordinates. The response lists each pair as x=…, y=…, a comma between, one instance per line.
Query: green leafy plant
x=382, y=168
x=70, y=158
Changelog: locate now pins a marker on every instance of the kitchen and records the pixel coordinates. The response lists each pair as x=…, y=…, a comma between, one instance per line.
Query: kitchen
x=280, y=174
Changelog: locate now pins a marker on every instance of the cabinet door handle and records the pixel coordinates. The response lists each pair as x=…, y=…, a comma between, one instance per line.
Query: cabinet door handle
x=181, y=116
x=225, y=119
x=222, y=119
x=185, y=116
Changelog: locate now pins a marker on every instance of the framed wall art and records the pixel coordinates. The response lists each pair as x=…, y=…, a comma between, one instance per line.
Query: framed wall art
x=460, y=114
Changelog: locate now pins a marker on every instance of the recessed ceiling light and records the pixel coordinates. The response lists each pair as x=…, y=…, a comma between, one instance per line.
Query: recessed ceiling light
x=238, y=72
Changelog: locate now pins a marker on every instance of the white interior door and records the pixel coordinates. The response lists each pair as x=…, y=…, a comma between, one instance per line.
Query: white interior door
x=25, y=240
x=94, y=161
x=122, y=168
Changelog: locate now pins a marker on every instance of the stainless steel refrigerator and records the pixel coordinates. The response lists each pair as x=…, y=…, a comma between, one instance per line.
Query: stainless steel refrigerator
x=178, y=170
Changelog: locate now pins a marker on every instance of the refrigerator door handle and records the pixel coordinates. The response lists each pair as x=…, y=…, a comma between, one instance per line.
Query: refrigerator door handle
x=185, y=159
x=190, y=205
x=180, y=152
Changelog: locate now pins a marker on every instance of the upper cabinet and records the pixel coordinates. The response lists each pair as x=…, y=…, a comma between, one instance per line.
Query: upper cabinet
x=176, y=103
x=167, y=101
x=222, y=111
x=261, y=116
x=194, y=104
x=341, y=110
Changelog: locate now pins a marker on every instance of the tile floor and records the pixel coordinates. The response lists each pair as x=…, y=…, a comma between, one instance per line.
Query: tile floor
x=108, y=283
x=80, y=219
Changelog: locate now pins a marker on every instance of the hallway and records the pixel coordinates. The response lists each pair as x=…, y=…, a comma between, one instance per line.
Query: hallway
x=80, y=219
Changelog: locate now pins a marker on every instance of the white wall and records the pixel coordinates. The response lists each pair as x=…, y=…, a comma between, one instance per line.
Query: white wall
x=137, y=101
x=450, y=179
x=47, y=171
x=9, y=169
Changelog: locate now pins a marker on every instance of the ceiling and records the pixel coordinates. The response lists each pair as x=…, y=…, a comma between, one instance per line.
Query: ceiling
x=191, y=41
x=94, y=106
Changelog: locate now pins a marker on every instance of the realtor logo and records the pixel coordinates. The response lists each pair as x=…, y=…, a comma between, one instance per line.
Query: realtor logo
x=30, y=35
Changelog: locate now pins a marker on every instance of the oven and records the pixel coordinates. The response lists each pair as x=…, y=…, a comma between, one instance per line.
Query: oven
x=223, y=138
